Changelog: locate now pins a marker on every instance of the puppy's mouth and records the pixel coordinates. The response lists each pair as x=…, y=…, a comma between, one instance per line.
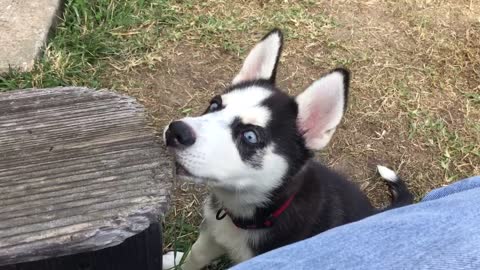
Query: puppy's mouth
x=181, y=171
x=184, y=173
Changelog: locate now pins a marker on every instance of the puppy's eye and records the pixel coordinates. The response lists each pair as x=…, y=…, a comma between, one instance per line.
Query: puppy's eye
x=214, y=106
x=250, y=137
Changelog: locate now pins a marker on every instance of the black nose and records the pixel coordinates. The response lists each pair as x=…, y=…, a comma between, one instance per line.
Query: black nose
x=179, y=133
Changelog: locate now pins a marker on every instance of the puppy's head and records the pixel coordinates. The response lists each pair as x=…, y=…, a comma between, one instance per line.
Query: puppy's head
x=254, y=135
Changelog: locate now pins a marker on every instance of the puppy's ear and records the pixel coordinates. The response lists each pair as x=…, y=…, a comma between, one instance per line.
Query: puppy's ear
x=261, y=62
x=321, y=107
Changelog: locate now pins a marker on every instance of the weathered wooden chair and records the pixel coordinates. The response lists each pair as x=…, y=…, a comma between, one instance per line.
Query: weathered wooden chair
x=83, y=182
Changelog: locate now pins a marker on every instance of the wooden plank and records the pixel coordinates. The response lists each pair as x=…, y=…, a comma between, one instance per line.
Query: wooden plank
x=80, y=170
x=142, y=251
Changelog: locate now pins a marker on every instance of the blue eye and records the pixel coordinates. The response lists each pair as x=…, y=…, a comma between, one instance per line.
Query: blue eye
x=250, y=137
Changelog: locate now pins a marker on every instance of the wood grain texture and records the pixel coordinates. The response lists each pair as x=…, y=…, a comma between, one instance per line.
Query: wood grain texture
x=80, y=170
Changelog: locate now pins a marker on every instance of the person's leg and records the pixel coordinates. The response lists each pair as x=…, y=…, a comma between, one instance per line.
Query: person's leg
x=466, y=184
x=441, y=232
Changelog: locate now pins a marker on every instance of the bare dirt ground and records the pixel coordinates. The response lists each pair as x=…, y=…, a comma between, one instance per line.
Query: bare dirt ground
x=415, y=93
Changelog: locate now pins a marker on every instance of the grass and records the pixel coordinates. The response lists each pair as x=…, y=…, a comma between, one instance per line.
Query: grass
x=458, y=152
x=97, y=36
x=415, y=98
x=93, y=37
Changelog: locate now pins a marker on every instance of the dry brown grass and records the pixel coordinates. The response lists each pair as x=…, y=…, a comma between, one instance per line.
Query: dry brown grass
x=415, y=94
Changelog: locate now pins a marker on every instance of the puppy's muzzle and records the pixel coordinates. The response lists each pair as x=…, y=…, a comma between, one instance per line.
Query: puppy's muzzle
x=179, y=134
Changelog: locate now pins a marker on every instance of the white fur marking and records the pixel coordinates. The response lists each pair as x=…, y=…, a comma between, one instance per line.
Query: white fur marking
x=171, y=259
x=243, y=98
x=234, y=240
x=387, y=174
x=258, y=116
x=203, y=251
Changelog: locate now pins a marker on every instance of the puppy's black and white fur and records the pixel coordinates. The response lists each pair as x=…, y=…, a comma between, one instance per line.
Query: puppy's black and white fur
x=253, y=147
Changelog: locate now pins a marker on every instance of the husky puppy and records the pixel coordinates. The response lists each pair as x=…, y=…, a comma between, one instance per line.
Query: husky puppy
x=254, y=147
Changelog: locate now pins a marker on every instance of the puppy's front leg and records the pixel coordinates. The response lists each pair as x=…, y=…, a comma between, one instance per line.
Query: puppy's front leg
x=203, y=251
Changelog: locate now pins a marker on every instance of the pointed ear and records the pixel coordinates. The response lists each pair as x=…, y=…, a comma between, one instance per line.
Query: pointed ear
x=261, y=62
x=321, y=107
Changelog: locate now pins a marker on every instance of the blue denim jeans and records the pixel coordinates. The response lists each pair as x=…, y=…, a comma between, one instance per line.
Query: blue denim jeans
x=439, y=233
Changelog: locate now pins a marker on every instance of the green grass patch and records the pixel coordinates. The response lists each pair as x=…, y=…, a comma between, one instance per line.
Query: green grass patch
x=458, y=151
x=96, y=36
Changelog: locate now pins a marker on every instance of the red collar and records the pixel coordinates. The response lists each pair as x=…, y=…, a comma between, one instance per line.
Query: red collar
x=266, y=222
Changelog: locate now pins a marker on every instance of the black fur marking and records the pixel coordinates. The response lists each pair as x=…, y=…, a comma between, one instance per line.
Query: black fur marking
x=400, y=194
x=324, y=200
x=282, y=129
x=284, y=132
x=252, y=154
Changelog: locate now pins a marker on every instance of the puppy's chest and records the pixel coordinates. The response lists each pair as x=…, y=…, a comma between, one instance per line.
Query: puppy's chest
x=235, y=240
